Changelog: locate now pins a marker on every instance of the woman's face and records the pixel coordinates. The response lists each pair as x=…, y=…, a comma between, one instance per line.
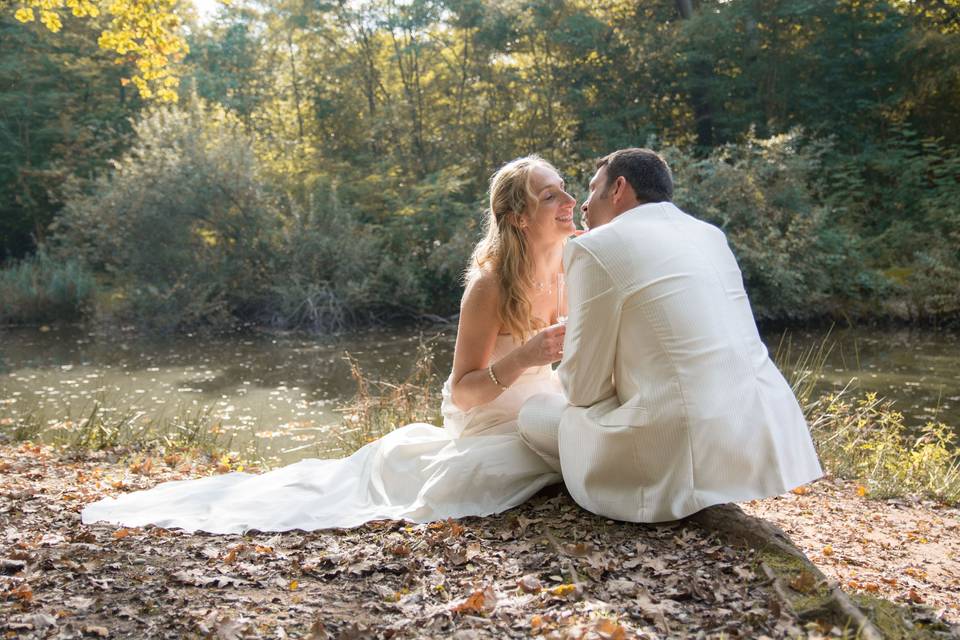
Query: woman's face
x=550, y=219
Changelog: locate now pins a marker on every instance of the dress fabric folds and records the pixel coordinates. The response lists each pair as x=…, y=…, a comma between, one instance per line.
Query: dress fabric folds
x=476, y=464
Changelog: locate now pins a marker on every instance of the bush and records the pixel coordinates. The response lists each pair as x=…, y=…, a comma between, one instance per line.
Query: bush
x=182, y=227
x=901, y=195
x=797, y=262
x=40, y=289
x=863, y=438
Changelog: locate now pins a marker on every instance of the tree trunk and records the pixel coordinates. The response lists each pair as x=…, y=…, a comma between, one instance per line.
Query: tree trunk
x=700, y=71
x=296, y=84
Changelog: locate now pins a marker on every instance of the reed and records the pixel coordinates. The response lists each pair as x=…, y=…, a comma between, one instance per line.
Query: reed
x=379, y=407
x=95, y=427
x=41, y=289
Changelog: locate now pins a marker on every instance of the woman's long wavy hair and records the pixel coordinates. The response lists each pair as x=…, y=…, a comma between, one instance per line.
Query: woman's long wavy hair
x=504, y=248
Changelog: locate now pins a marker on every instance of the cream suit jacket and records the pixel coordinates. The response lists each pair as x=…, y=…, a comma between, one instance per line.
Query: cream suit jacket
x=674, y=403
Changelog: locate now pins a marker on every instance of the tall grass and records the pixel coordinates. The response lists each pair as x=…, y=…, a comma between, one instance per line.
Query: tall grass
x=861, y=436
x=40, y=289
x=379, y=407
x=94, y=428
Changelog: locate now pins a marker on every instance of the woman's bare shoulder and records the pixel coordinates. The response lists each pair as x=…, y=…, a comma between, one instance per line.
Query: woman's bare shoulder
x=482, y=289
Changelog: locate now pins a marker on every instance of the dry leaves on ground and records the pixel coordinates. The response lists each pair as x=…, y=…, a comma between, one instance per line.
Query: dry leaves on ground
x=546, y=569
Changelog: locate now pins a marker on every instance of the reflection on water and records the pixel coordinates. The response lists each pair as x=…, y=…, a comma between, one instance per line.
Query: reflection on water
x=281, y=391
x=919, y=369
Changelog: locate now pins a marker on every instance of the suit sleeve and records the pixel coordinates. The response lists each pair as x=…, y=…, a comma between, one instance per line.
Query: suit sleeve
x=593, y=319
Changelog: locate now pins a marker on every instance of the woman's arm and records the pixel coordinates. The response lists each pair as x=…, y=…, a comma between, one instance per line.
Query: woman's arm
x=476, y=337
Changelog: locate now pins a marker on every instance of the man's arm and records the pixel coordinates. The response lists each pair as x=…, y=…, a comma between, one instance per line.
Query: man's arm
x=593, y=321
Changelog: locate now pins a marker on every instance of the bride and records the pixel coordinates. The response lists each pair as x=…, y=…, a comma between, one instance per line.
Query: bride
x=477, y=464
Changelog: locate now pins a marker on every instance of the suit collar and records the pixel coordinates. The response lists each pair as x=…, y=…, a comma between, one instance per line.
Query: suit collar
x=650, y=209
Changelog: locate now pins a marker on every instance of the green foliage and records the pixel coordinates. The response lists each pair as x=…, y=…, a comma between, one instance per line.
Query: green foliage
x=181, y=226
x=862, y=437
x=893, y=194
x=339, y=176
x=62, y=112
x=796, y=263
x=40, y=289
x=190, y=431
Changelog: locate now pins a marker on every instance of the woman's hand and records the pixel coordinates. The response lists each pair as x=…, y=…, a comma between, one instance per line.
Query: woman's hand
x=544, y=348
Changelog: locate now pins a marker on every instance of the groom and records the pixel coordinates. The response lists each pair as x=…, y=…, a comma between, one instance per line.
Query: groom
x=671, y=401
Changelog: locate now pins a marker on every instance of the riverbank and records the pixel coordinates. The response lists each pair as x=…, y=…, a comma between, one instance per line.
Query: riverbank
x=546, y=568
x=277, y=396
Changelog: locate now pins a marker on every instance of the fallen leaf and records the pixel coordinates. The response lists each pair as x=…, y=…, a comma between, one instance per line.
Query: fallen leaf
x=480, y=602
x=23, y=593
x=529, y=584
x=609, y=630
x=317, y=631
x=804, y=582
x=119, y=534
x=579, y=550
x=231, y=629
x=651, y=610
x=563, y=590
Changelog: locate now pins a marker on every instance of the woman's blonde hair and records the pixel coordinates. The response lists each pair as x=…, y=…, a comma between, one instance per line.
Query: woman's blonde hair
x=504, y=249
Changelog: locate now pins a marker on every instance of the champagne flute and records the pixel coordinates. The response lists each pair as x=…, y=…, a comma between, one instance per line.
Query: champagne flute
x=561, y=299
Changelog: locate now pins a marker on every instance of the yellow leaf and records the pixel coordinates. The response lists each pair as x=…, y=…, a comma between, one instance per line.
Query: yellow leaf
x=293, y=585
x=51, y=21
x=861, y=490
x=828, y=550
x=24, y=14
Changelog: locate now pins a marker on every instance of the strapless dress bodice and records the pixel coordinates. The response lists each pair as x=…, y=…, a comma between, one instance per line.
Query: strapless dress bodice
x=500, y=414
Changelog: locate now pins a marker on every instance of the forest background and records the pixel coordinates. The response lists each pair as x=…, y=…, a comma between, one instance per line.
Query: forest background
x=323, y=165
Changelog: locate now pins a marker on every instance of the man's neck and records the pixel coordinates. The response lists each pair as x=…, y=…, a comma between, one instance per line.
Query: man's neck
x=623, y=208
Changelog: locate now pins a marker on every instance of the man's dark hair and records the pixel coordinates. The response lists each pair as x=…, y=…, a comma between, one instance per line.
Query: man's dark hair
x=644, y=169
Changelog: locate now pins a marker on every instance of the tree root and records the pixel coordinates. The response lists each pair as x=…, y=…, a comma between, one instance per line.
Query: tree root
x=801, y=586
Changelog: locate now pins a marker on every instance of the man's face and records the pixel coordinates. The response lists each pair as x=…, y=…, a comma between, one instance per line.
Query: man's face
x=598, y=209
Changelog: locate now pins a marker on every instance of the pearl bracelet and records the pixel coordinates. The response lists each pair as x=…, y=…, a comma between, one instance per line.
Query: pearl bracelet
x=493, y=377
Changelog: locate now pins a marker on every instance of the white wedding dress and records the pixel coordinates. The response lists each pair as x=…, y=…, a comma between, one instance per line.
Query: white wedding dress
x=475, y=465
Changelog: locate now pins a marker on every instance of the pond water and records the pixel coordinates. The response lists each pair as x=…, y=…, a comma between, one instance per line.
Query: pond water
x=279, y=392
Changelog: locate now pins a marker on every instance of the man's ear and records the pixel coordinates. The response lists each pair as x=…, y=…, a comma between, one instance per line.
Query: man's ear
x=619, y=189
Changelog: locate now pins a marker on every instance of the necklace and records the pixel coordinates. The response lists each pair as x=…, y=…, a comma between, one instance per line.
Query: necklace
x=542, y=287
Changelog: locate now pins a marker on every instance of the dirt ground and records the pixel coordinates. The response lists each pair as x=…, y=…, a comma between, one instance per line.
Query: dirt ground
x=547, y=568
x=902, y=549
